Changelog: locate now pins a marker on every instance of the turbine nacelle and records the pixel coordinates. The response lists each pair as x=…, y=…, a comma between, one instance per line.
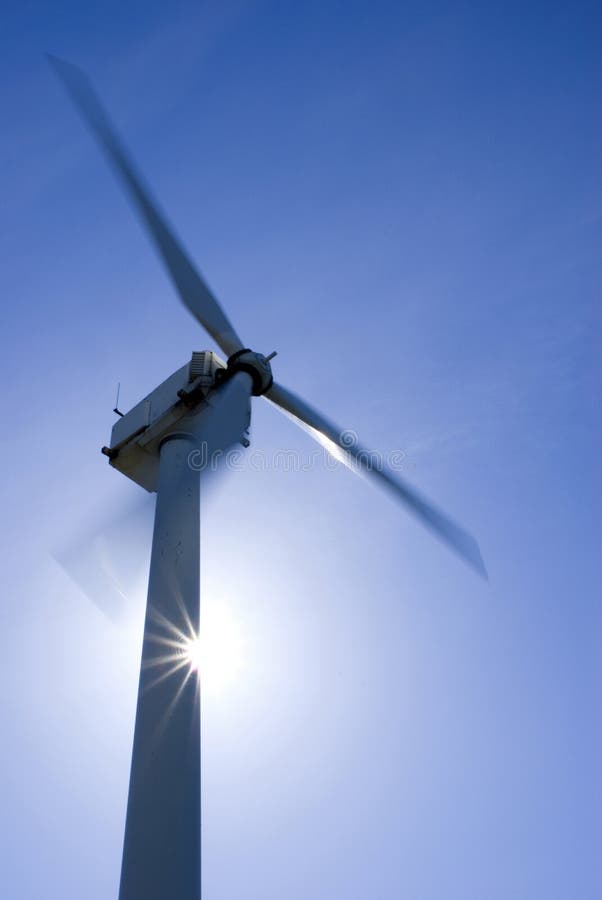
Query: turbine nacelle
x=183, y=404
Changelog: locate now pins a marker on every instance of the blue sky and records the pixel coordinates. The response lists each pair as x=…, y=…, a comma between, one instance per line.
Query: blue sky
x=404, y=201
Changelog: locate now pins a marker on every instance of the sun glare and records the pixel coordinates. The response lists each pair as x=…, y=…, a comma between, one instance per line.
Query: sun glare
x=215, y=656
x=192, y=653
x=217, y=653
x=221, y=650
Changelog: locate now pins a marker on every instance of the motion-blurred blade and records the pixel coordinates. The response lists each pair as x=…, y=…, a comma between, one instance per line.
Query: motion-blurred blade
x=108, y=561
x=443, y=527
x=188, y=282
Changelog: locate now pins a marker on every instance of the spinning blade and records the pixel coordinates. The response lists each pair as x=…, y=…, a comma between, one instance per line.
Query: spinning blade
x=443, y=527
x=109, y=561
x=189, y=284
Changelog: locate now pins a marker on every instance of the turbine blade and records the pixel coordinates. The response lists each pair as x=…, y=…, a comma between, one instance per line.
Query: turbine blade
x=358, y=458
x=188, y=282
x=108, y=561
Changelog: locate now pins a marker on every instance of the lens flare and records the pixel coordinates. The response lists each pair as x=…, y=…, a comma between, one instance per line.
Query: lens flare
x=192, y=653
x=214, y=657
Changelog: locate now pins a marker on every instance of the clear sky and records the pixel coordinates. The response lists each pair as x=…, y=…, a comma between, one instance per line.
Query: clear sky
x=404, y=200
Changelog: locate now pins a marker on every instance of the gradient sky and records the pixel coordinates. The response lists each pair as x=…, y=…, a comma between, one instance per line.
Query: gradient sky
x=403, y=200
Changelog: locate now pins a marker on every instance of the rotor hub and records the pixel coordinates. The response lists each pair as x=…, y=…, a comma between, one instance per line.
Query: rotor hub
x=256, y=365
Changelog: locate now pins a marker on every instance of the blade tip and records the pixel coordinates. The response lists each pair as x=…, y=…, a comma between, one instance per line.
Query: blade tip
x=68, y=72
x=477, y=562
x=57, y=63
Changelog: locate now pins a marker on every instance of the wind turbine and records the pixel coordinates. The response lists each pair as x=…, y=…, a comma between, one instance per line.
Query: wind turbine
x=197, y=413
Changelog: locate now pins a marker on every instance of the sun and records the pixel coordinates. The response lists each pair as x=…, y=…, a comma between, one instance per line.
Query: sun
x=214, y=656
x=217, y=653
x=192, y=653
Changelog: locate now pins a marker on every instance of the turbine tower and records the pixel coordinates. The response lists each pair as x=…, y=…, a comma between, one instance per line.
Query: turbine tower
x=162, y=444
